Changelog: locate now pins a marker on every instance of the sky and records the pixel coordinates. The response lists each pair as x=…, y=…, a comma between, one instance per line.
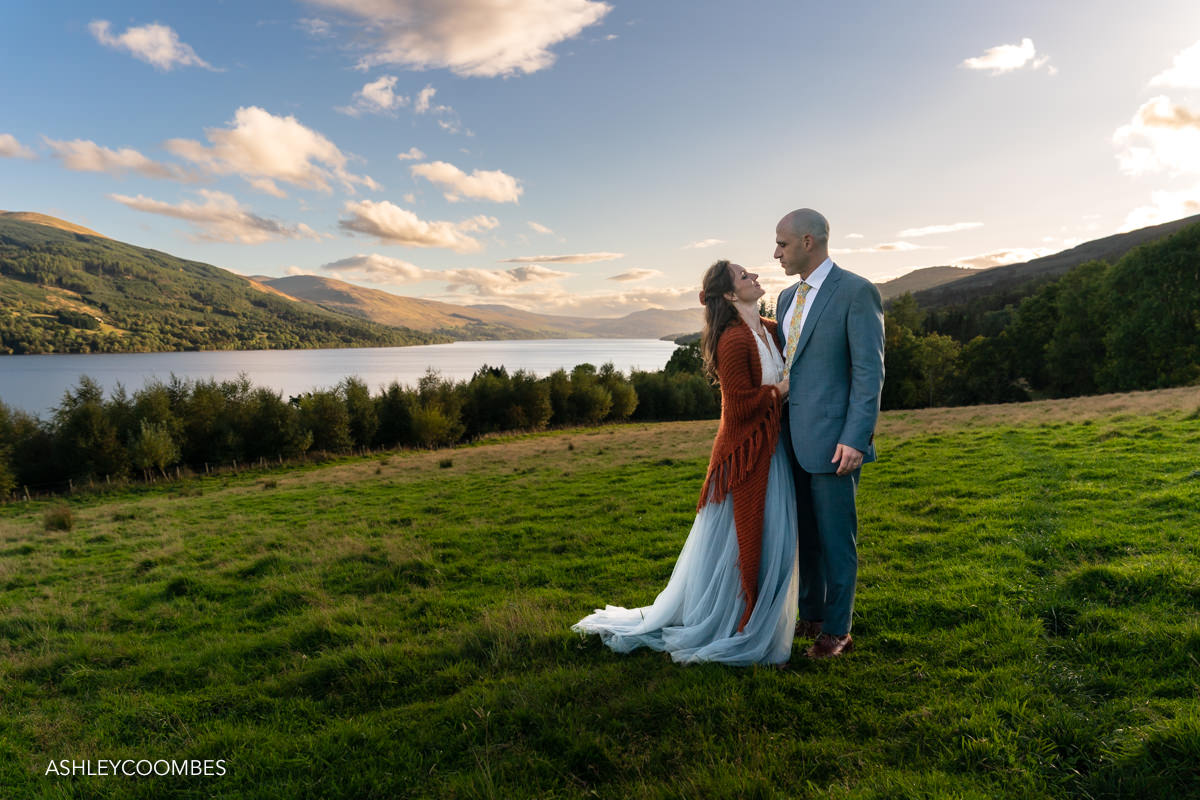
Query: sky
x=593, y=158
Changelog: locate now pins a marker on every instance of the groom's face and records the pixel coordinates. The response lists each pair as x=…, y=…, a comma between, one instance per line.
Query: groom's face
x=793, y=251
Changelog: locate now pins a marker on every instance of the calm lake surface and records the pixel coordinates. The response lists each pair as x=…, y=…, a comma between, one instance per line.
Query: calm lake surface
x=36, y=383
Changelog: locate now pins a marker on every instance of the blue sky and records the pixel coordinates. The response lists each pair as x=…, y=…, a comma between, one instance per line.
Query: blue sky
x=592, y=158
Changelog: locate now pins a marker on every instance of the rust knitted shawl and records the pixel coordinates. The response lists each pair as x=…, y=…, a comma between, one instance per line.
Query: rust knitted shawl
x=741, y=454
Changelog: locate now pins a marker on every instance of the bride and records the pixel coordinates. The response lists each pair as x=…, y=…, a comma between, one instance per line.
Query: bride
x=733, y=593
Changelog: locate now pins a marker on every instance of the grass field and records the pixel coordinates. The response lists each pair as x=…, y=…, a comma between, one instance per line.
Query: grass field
x=1028, y=623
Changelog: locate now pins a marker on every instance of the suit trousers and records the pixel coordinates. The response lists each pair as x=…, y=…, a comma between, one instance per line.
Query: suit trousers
x=828, y=543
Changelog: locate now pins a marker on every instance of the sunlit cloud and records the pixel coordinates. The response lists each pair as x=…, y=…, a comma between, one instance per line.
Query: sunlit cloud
x=1184, y=72
x=703, y=243
x=11, y=148
x=157, y=45
x=496, y=283
x=492, y=185
x=540, y=228
x=260, y=145
x=886, y=247
x=995, y=258
x=574, y=258
x=636, y=275
x=480, y=38
x=1161, y=137
x=394, y=225
x=412, y=154
x=1164, y=206
x=855, y=236
x=375, y=268
x=377, y=97
x=82, y=155
x=1009, y=57
x=932, y=230
x=220, y=218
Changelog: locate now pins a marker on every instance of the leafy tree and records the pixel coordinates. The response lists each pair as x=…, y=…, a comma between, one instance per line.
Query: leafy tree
x=1153, y=337
x=687, y=359
x=364, y=420
x=325, y=416
x=1076, y=352
x=153, y=448
x=936, y=356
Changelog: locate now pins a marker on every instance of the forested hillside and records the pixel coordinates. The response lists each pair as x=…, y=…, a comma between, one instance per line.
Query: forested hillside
x=66, y=292
x=1133, y=324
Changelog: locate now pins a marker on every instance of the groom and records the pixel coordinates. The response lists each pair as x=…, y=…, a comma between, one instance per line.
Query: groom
x=831, y=333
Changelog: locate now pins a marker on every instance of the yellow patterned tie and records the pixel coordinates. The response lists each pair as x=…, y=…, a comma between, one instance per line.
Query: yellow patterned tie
x=793, y=337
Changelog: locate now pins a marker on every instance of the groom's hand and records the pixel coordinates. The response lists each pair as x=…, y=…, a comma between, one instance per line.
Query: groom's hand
x=847, y=458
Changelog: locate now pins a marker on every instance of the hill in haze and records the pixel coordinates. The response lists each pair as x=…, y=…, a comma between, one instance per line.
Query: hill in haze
x=920, y=279
x=64, y=290
x=480, y=321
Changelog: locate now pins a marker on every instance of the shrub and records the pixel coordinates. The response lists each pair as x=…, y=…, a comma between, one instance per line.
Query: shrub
x=58, y=518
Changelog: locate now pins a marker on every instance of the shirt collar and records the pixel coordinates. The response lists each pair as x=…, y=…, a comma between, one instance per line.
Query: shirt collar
x=819, y=275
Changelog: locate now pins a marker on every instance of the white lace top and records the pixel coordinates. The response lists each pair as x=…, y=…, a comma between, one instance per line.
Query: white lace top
x=769, y=357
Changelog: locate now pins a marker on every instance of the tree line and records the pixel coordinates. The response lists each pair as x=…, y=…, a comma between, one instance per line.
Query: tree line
x=1101, y=327
x=200, y=424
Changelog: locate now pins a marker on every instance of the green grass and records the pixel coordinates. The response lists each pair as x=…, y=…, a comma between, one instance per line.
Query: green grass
x=398, y=627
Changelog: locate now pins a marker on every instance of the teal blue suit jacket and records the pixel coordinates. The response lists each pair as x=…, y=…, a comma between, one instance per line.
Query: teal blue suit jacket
x=837, y=376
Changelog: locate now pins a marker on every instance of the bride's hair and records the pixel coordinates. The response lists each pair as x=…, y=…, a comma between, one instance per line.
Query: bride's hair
x=719, y=313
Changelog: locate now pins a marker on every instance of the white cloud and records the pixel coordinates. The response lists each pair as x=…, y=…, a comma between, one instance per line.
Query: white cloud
x=886, y=247
x=574, y=258
x=855, y=236
x=262, y=145
x=1164, y=207
x=376, y=268
x=155, y=44
x=394, y=225
x=413, y=154
x=1009, y=57
x=931, y=230
x=1161, y=137
x=1184, y=72
x=636, y=275
x=11, y=148
x=316, y=28
x=410, y=198
x=376, y=97
x=87, y=156
x=995, y=258
x=491, y=185
x=221, y=219
x=482, y=38
x=539, y=228
x=703, y=243
x=496, y=283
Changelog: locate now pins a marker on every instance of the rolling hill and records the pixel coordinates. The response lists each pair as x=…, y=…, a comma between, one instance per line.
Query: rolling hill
x=64, y=289
x=480, y=321
x=920, y=279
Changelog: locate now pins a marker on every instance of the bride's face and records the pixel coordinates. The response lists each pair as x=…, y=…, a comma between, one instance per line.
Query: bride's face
x=745, y=284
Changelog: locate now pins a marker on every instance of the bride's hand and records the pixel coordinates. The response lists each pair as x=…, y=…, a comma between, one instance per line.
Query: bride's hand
x=782, y=388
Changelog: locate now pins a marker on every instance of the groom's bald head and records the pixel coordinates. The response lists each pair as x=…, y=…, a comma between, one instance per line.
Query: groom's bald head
x=806, y=222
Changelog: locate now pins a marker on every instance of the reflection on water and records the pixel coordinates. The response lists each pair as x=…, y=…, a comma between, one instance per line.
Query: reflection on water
x=36, y=383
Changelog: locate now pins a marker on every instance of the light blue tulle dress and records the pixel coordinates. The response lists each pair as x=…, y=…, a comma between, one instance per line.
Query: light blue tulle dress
x=695, y=617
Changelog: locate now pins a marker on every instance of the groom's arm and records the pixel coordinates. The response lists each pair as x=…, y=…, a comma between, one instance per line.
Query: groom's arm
x=864, y=331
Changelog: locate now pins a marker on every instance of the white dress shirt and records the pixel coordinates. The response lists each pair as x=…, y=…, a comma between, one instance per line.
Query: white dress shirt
x=814, y=280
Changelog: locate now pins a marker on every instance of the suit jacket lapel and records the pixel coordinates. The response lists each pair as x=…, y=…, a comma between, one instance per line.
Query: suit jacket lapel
x=828, y=287
x=781, y=307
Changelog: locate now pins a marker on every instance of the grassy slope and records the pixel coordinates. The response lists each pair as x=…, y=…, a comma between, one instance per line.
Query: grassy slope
x=1027, y=623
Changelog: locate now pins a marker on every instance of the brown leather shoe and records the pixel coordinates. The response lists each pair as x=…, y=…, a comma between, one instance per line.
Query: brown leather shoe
x=830, y=646
x=808, y=628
